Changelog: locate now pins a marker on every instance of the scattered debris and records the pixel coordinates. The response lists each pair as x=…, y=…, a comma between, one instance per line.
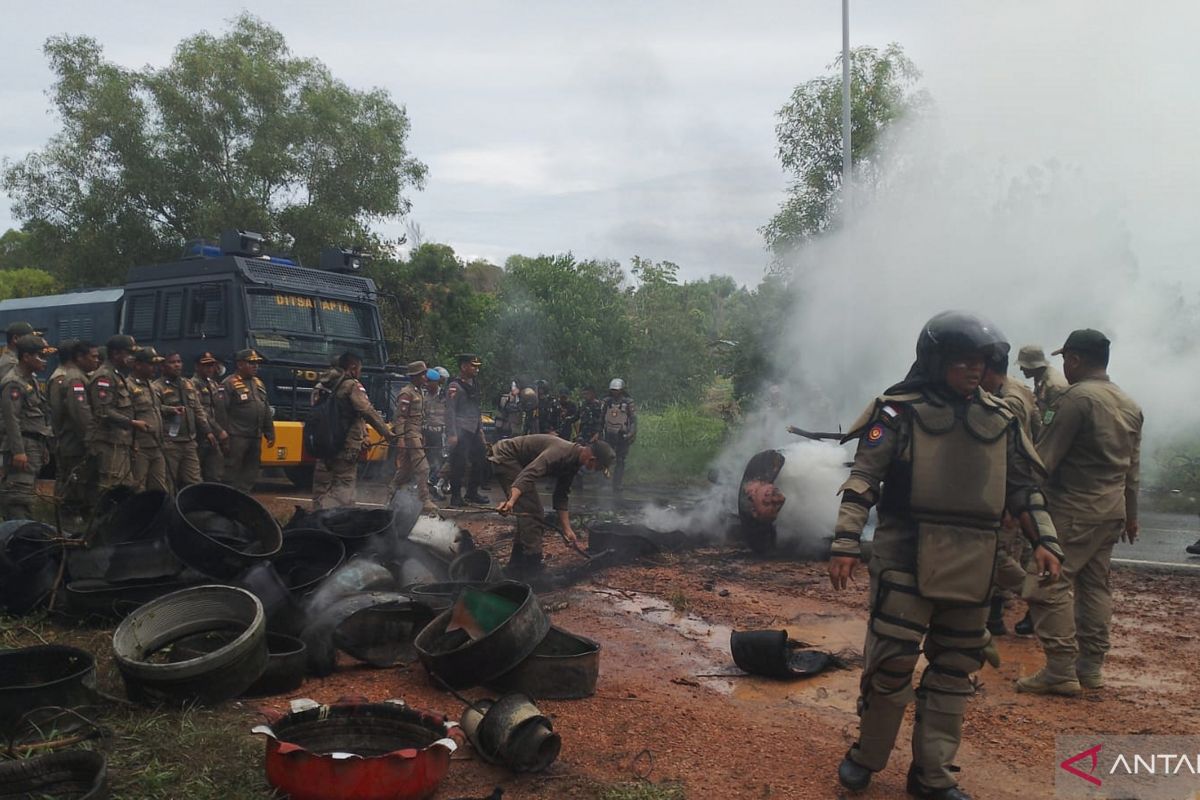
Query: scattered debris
x=75, y=774
x=774, y=655
x=512, y=731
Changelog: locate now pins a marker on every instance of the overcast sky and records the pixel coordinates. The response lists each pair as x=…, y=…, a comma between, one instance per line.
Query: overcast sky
x=610, y=129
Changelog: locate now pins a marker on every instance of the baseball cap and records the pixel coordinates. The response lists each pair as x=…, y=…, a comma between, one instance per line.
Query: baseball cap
x=249, y=354
x=147, y=355
x=34, y=344
x=1085, y=340
x=17, y=329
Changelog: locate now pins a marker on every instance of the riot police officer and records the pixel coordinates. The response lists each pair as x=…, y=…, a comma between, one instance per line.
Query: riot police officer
x=464, y=432
x=591, y=416
x=568, y=414
x=620, y=427
x=942, y=461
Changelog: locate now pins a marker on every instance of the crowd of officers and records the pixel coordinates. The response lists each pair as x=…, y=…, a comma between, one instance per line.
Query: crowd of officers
x=132, y=420
x=963, y=465
x=439, y=423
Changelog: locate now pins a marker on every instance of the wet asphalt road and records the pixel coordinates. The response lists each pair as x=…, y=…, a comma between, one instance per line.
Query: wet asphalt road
x=1162, y=541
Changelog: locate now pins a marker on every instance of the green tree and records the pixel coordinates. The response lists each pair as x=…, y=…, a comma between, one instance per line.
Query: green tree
x=14, y=249
x=883, y=90
x=27, y=282
x=429, y=308
x=235, y=131
x=671, y=359
x=557, y=319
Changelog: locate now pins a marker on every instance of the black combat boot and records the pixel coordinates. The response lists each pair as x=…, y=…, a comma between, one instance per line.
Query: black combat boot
x=456, y=500
x=1194, y=549
x=476, y=498
x=852, y=775
x=995, y=621
x=1025, y=626
x=918, y=789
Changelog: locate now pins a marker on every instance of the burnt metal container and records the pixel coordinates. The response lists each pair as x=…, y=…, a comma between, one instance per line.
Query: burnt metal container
x=564, y=666
x=456, y=659
x=45, y=675
x=219, y=531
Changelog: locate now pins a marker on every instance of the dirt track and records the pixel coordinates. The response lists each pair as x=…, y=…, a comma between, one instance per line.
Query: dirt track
x=658, y=714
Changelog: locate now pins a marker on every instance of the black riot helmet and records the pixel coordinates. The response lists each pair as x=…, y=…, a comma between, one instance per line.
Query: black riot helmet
x=949, y=335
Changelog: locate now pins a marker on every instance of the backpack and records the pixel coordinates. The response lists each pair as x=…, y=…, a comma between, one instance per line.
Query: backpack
x=325, y=429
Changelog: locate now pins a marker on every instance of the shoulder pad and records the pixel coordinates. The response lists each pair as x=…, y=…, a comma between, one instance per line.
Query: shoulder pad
x=889, y=409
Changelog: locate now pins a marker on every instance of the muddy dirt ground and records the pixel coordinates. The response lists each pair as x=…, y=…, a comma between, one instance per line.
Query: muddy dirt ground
x=670, y=706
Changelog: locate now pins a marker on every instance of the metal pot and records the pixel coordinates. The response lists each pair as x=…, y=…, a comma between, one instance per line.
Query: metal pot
x=564, y=666
x=307, y=557
x=476, y=566
x=234, y=530
x=29, y=559
x=210, y=678
x=359, y=751
x=45, y=675
x=460, y=662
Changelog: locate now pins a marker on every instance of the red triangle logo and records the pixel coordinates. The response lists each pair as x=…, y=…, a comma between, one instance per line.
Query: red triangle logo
x=1094, y=754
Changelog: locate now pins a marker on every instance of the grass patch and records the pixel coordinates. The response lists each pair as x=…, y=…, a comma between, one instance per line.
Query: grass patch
x=678, y=601
x=675, y=445
x=158, y=753
x=643, y=790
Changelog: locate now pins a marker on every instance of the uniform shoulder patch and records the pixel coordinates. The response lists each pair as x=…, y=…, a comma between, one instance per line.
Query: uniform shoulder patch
x=15, y=393
x=103, y=383
x=874, y=435
x=1048, y=417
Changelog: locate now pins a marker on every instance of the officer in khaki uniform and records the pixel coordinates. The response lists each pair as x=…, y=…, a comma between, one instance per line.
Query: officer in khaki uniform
x=149, y=461
x=334, y=480
x=8, y=359
x=71, y=420
x=212, y=400
x=942, y=461
x=250, y=421
x=184, y=423
x=26, y=415
x=434, y=427
x=409, y=423
x=1014, y=554
x=112, y=415
x=519, y=463
x=1048, y=383
x=1091, y=446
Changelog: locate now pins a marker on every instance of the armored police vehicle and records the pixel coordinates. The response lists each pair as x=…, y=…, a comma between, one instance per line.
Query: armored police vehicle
x=223, y=298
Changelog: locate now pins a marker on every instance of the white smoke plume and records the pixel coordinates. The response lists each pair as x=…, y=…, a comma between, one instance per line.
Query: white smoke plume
x=1051, y=188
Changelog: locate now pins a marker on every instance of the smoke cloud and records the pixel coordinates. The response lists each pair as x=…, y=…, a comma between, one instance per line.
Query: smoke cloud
x=1051, y=187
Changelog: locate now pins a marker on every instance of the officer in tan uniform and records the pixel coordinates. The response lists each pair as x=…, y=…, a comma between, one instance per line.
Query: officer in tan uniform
x=26, y=416
x=434, y=427
x=1048, y=383
x=519, y=463
x=184, y=423
x=149, y=461
x=212, y=400
x=1091, y=447
x=1014, y=554
x=335, y=480
x=942, y=461
x=8, y=359
x=250, y=421
x=112, y=415
x=408, y=424
x=71, y=420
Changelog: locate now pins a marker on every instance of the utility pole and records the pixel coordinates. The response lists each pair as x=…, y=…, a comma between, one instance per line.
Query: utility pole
x=847, y=167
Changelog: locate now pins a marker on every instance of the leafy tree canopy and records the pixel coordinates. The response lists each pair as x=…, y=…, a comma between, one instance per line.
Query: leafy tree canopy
x=883, y=89
x=235, y=131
